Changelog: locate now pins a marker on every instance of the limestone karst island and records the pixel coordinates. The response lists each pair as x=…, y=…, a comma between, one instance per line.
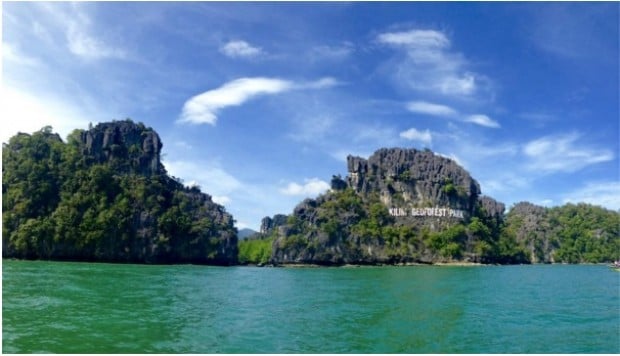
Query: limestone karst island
x=104, y=195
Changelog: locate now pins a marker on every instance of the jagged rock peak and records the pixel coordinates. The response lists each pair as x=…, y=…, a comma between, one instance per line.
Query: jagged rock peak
x=268, y=224
x=410, y=177
x=125, y=140
x=492, y=207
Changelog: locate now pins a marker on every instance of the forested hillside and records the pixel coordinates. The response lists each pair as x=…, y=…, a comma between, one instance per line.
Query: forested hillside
x=410, y=206
x=572, y=233
x=105, y=196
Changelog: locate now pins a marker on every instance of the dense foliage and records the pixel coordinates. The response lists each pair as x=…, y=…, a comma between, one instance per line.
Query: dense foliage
x=256, y=251
x=343, y=227
x=59, y=203
x=568, y=234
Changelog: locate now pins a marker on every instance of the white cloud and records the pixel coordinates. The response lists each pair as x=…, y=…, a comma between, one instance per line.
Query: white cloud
x=27, y=112
x=76, y=24
x=87, y=46
x=221, y=199
x=208, y=175
x=322, y=83
x=423, y=107
x=240, y=49
x=562, y=153
x=482, y=120
x=430, y=66
x=331, y=52
x=311, y=187
x=11, y=53
x=203, y=108
x=432, y=109
x=456, y=85
x=416, y=39
x=415, y=135
x=606, y=194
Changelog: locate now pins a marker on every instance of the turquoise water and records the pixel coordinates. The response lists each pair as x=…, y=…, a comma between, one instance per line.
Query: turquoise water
x=102, y=308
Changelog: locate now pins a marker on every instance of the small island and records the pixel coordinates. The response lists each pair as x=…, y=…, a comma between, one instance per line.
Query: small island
x=407, y=206
x=105, y=196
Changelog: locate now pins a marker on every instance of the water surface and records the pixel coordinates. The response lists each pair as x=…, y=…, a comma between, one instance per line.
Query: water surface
x=103, y=308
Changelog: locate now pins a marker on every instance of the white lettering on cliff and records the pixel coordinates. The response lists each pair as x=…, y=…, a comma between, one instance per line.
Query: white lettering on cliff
x=436, y=212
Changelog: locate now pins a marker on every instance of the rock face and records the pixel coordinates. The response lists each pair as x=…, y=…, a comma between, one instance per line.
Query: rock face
x=491, y=208
x=391, y=208
x=124, y=140
x=105, y=196
x=409, y=178
x=533, y=230
x=268, y=224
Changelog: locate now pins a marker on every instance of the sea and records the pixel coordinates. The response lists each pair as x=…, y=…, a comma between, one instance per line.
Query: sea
x=71, y=307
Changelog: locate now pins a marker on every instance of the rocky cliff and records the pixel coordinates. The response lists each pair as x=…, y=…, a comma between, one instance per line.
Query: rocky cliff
x=105, y=196
x=407, y=178
x=133, y=145
x=397, y=206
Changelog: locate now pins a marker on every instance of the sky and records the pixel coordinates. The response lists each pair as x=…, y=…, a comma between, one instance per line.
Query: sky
x=260, y=103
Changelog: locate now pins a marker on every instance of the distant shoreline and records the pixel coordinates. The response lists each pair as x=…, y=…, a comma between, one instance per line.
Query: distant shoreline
x=314, y=265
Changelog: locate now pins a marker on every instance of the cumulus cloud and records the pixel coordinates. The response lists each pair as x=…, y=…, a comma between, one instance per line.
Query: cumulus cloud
x=415, y=135
x=240, y=49
x=203, y=108
x=310, y=187
x=562, y=153
x=482, y=120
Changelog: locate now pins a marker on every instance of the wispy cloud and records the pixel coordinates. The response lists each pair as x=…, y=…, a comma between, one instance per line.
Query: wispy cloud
x=11, y=53
x=430, y=65
x=210, y=176
x=423, y=107
x=432, y=109
x=311, y=187
x=240, y=49
x=415, y=135
x=203, y=108
x=482, y=120
x=337, y=52
x=76, y=24
x=88, y=46
x=605, y=194
x=562, y=153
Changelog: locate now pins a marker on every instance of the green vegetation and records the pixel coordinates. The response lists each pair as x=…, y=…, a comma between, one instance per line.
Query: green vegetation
x=571, y=233
x=255, y=251
x=59, y=203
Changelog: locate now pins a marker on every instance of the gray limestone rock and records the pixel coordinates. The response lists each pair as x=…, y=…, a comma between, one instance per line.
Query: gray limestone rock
x=135, y=147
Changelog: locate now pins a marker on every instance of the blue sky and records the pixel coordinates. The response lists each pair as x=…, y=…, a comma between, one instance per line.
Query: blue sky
x=260, y=103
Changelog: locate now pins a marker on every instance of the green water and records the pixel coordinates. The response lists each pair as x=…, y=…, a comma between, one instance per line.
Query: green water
x=101, y=308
